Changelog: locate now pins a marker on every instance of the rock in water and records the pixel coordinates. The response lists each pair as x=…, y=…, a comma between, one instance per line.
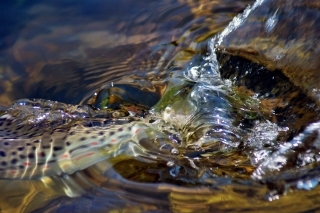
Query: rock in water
x=280, y=35
x=272, y=50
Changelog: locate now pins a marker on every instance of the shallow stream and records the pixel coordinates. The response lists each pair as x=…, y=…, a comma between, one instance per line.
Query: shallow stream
x=123, y=107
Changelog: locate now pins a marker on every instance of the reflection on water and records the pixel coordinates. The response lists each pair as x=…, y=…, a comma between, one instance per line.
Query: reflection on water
x=90, y=44
x=151, y=122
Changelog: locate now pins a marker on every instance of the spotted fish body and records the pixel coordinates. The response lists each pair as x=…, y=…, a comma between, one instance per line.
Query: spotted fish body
x=27, y=152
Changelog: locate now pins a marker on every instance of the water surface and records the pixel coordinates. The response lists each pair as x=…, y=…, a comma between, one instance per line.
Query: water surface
x=207, y=137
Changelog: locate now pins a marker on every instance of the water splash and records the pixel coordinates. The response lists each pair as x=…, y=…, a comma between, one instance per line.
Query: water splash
x=236, y=22
x=43, y=138
x=301, y=151
x=272, y=22
x=203, y=130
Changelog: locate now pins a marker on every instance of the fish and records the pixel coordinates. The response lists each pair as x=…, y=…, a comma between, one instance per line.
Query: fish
x=37, y=148
x=41, y=138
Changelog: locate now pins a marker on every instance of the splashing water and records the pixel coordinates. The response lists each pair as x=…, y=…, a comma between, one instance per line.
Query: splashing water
x=301, y=151
x=44, y=138
x=201, y=119
x=209, y=145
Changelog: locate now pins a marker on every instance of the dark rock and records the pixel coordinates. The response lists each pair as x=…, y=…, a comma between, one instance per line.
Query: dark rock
x=280, y=35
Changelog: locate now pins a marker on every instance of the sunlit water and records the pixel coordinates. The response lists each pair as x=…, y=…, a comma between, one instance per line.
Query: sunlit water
x=145, y=120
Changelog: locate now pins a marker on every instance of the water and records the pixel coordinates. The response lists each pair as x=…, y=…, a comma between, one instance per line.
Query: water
x=89, y=45
x=143, y=117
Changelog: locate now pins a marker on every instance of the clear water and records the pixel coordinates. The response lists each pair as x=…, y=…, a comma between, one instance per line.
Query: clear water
x=205, y=144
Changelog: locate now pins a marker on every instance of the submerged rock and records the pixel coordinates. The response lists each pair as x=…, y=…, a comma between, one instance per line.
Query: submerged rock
x=280, y=35
x=272, y=50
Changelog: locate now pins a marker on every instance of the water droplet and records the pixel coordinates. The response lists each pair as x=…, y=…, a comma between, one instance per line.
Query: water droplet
x=170, y=163
x=175, y=151
x=271, y=22
x=307, y=184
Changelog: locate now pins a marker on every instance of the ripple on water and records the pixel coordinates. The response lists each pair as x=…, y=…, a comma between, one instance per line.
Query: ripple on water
x=213, y=142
